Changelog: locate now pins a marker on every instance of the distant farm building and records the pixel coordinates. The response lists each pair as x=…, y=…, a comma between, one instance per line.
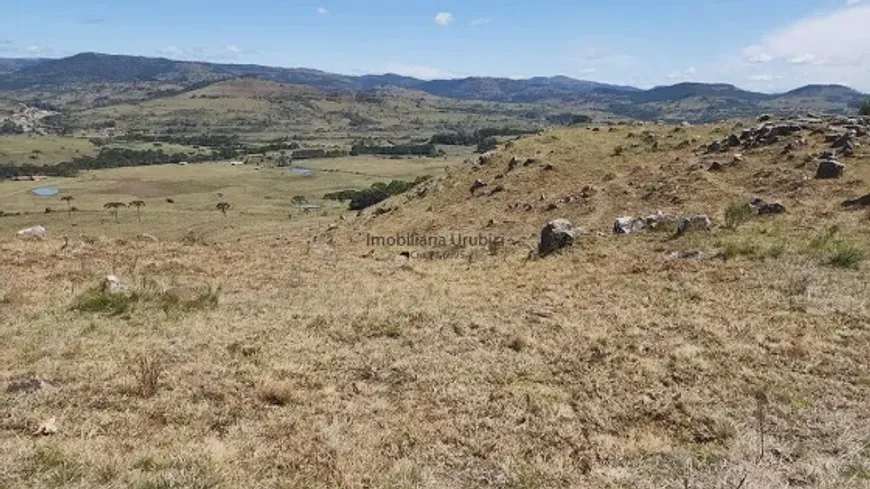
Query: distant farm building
x=29, y=178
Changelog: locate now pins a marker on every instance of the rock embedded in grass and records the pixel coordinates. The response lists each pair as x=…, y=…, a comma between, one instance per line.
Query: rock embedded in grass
x=556, y=235
x=829, y=169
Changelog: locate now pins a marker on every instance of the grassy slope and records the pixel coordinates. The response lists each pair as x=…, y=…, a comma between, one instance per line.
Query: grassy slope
x=42, y=150
x=327, y=363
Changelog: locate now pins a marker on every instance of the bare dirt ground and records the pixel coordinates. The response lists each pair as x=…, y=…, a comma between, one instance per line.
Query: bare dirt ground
x=305, y=358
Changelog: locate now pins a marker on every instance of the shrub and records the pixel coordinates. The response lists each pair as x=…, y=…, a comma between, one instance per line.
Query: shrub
x=146, y=371
x=844, y=255
x=865, y=108
x=486, y=144
x=736, y=214
x=102, y=301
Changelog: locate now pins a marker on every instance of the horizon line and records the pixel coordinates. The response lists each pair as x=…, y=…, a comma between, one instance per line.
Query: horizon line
x=354, y=75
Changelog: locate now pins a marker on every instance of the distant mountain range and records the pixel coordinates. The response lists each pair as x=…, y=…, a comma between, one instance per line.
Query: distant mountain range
x=699, y=100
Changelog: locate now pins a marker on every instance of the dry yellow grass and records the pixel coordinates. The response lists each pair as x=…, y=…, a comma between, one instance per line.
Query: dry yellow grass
x=327, y=363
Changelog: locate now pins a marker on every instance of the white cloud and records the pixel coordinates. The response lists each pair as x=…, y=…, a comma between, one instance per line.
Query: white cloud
x=234, y=49
x=444, y=19
x=839, y=38
x=686, y=75
x=480, y=21
x=757, y=78
x=852, y=2
x=322, y=11
x=802, y=59
x=587, y=71
x=419, y=71
x=756, y=54
x=829, y=48
x=172, y=51
x=35, y=50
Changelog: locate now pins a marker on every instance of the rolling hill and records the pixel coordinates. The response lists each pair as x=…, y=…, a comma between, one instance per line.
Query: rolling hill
x=89, y=80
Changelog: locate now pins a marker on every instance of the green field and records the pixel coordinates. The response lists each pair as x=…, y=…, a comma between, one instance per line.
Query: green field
x=258, y=196
x=42, y=150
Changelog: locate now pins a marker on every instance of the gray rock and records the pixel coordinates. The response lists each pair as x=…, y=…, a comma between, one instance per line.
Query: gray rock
x=35, y=232
x=556, y=235
x=829, y=169
x=696, y=222
x=766, y=208
x=28, y=386
x=628, y=225
x=113, y=285
x=478, y=184
x=860, y=202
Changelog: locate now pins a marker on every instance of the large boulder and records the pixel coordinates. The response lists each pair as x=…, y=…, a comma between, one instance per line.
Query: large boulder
x=557, y=234
x=829, y=169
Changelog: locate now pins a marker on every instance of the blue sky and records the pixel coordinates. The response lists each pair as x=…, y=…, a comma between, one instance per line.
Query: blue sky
x=768, y=45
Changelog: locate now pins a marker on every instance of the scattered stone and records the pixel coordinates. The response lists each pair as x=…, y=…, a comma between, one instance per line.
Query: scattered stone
x=478, y=184
x=829, y=169
x=848, y=150
x=35, y=232
x=860, y=202
x=556, y=235
x=733, y=140
x=628, y=225
x=47, y=428
x=738, y=158
x=512, y=164
x=764, y=117
x=113, y=285
x=27, y=386
x=548, y=167
x=684, y=255
x=842, y=140
x=715, y=147
x=495, y=190
x=697, y=222
x=716, y=167
x=762, y=208
x=485, y=158
x=147, y=238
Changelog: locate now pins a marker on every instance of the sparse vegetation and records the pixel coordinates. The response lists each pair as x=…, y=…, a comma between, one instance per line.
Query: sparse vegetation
x=737, y=213
x=325, y=361
x=865, y=108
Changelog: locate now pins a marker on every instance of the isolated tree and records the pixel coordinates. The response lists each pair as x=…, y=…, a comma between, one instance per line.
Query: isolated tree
x=865, y=108
x=138, y=204
x=68, y=199
x=223, y=207
x=114, y=206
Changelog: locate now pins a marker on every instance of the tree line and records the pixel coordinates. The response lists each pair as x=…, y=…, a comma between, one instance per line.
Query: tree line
x=113, y=158
x=378, y=192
